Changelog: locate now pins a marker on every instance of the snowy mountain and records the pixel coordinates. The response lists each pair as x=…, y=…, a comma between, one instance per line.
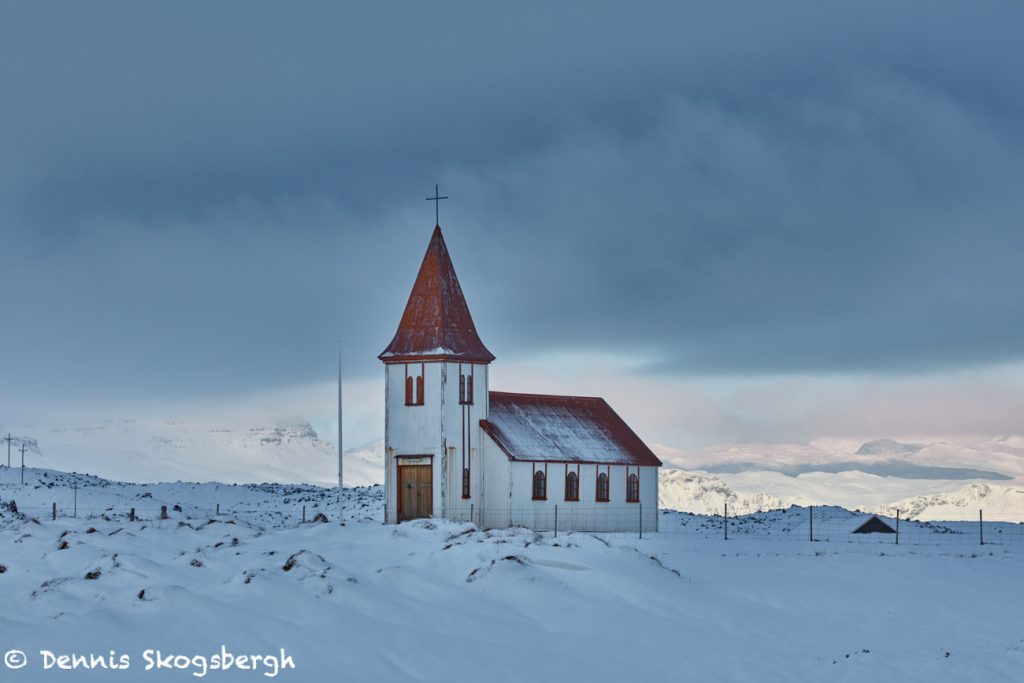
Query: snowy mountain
x=1002, y=503
x=887, y=447
x=149, y=451
x=703, y=494
x=935, y=479
x=991, y=459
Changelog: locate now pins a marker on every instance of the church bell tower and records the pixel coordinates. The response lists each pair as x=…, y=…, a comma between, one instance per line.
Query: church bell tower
x=436, y=393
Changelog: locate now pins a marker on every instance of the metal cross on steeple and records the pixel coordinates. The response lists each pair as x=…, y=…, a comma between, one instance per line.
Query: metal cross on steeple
x=437, y=203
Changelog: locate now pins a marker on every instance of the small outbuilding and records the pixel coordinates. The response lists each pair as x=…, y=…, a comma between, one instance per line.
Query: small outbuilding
x=874, y=526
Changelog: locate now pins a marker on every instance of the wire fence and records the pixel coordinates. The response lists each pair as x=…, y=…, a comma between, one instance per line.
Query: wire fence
x=265, y=517
x=826, y=524
x=840, y=526
x=796, y=524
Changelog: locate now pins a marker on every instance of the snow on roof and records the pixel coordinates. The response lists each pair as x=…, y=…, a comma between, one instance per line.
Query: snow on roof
x=563, y=429
x=436, y=324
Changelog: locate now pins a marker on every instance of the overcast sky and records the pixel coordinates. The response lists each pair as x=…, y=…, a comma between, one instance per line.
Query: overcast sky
x=735, y=221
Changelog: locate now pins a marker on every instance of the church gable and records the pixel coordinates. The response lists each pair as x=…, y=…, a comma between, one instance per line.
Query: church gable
x=534, y=427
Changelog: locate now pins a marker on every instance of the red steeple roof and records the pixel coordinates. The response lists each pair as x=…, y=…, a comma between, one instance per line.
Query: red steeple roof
x=436, y=324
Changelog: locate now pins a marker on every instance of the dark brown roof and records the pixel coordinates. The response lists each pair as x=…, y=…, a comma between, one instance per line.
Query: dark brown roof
x=436, y=324
x=563, y=429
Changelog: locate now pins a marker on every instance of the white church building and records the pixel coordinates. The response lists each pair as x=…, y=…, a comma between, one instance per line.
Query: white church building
x=457, y=450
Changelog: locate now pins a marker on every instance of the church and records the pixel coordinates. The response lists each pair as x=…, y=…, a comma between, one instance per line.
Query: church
x=457, y=450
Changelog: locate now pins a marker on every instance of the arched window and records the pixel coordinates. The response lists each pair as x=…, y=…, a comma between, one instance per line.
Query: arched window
x=409, y=398
x=419, y=390
x=540, y=486
x=602, y=488
x=572, y=486
x=632, y=489
x=466, y=385
x=465, y=482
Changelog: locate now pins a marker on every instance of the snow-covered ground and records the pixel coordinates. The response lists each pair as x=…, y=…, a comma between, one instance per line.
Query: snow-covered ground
x=439, y=601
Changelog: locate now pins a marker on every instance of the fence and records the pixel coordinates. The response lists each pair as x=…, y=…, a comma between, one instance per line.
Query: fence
x=795, y=525
x=840, y=526
x=272, y=517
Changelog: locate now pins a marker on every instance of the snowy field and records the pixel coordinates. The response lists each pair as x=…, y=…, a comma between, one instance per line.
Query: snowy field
x=442, y=601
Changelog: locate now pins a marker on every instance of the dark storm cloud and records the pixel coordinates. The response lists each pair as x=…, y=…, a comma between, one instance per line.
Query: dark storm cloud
x=201, y=198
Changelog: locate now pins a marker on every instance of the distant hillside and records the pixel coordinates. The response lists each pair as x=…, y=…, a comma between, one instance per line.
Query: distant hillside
x=888, y=447
x=707, y=495
x=150, y=451
x=999, y=503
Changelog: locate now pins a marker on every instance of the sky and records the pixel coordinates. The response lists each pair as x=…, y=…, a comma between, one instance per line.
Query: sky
x=735, y=221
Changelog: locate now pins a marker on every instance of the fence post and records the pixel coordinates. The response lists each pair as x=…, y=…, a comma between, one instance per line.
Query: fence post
x=981, y=529
x=54, y=511
x=641, y=520
x=810, y=518
x=76, y=502
x=218, y=508
x=131, y=515
x=303, y=514
x=898, y=528
x=471, y=515
x=725, y=521
x=163, y=512
x=556, y=520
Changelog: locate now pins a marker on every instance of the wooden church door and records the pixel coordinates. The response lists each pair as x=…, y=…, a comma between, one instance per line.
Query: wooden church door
x=415, y=491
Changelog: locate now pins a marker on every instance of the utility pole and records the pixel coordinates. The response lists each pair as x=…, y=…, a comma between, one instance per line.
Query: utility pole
x=23, y=449
x=341, y=492
x=9, y=439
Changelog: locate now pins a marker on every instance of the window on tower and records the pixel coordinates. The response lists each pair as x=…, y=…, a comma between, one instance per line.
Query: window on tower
x=414, y=393
x=466, y=385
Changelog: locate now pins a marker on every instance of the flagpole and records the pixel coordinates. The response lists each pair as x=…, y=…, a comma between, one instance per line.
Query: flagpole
x=341, y=504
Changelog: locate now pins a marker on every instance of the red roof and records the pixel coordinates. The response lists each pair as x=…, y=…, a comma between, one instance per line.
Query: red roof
x=563, y=429
x=436, y=324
